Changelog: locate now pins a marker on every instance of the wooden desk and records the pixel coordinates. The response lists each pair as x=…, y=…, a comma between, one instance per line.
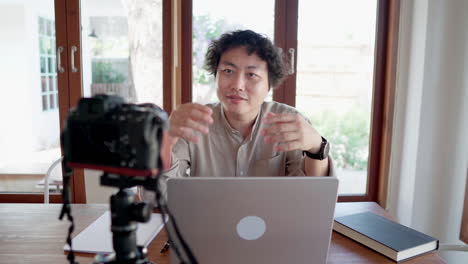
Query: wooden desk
x=32, y=233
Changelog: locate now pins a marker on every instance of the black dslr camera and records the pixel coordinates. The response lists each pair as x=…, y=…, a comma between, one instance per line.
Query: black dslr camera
x=104, y=133
x=124, y=141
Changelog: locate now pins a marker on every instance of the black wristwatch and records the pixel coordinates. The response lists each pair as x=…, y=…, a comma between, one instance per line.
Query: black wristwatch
x=323, y=152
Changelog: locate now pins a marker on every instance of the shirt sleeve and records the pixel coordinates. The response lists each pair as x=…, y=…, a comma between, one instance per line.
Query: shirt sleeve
x=180, y=160
x=180, y=165
x=331, y=167
x=295, y=163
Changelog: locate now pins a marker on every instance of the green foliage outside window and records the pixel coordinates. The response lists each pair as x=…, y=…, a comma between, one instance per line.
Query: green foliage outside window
x=348, y=135
x=205, y=29
x=102, y=72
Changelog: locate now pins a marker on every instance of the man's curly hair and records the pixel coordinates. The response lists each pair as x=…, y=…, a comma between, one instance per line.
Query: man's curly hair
x=254, y=43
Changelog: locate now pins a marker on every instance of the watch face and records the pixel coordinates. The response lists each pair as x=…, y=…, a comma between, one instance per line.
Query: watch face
x=326, y=149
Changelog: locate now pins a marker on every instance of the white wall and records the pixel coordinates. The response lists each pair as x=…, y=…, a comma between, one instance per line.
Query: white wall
x=15, y=104
x=25, y=127
x=430, y=150
x=46, y=127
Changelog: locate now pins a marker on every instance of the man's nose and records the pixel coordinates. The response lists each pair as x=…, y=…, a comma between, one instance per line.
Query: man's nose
x=238, y=82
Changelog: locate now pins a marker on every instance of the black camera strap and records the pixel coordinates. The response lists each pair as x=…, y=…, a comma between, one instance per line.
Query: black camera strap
x=168, y=218
x=66, y=209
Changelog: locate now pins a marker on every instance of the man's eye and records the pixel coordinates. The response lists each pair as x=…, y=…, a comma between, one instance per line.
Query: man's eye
x=227, y=70
x=252, y=74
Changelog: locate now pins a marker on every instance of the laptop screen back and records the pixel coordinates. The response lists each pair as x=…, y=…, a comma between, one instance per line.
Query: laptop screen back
x=255, y=220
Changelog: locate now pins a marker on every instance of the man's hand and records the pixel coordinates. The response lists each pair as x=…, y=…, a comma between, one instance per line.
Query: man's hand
x=290, y=132
x=188, y=119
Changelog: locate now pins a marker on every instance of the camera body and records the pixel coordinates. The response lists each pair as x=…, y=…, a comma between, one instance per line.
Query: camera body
x=105, y=133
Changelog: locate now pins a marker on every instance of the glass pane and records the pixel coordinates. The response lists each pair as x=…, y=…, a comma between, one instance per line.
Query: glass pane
x=41, y=25
x=30, y=146
x=49, y=27
x=42, y=44
x=52, y=101
x=43, y=84
x=55, y=83
x=49, y=45
x=210, y=20
x=51, y=84
x=43, y=65
x=335, y=60
x=119, y=63
x=53, y=49
x=51, y=64
x=44, y=102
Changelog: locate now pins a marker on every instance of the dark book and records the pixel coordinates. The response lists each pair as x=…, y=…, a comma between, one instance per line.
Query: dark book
x=389, y=238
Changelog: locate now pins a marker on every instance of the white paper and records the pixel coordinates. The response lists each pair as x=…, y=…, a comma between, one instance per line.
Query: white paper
x=97, y=237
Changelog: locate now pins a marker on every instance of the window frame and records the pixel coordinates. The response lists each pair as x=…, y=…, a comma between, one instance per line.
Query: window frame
x=177, y=80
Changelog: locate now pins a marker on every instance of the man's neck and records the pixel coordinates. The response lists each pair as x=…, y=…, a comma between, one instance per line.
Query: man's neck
x=242, y=123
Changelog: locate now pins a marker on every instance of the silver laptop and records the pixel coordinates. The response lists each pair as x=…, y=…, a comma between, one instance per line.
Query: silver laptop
x=255, y=220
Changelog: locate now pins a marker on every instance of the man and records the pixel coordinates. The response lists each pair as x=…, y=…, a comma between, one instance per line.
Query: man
x=243, y=135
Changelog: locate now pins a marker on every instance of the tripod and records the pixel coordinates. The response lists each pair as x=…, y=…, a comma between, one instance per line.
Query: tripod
x=125, y=213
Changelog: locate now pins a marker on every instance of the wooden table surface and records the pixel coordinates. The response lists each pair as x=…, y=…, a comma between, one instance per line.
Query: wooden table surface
x=32, y=233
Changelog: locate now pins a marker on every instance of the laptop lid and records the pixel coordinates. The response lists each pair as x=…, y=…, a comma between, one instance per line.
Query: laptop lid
x=255, y=219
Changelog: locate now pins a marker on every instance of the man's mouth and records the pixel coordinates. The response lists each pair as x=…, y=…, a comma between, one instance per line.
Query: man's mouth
x=235, y=97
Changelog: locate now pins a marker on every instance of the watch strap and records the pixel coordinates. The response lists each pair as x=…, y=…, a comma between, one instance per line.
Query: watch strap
x=320, y=155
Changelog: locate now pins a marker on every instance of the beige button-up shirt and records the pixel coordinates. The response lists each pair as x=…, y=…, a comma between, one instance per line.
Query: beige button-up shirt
x=224, y=152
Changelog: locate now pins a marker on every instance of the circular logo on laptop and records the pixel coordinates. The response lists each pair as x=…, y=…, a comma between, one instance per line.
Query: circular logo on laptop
x=251, y=227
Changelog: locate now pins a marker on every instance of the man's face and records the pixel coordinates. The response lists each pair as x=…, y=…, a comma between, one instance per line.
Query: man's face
x=242, y=82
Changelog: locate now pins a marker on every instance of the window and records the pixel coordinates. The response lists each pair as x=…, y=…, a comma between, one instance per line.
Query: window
x=334, y=81
x=48, y=64
x=102, y=26
x=342, y=79
x=121, y=44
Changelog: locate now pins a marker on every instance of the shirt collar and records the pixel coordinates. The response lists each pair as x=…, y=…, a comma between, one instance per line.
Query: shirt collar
x=224, y=123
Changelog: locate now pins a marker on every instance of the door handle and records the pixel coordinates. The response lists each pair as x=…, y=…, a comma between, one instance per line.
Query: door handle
x=291, y=59
x=59, y=61
x=73, y=50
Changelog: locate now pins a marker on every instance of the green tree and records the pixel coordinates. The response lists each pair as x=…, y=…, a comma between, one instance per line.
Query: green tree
x=206, y=29
x=102, y=72
x=348, y=135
